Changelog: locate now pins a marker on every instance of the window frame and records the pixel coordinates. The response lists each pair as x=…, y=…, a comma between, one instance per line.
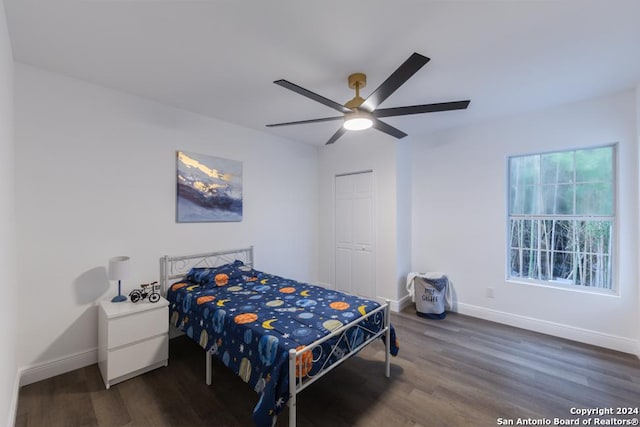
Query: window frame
x=557, y=284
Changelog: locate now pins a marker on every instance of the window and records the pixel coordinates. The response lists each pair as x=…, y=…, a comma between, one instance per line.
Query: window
x=561, y=218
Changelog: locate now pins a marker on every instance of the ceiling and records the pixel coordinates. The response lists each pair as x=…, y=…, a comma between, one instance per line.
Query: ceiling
x=219, y=58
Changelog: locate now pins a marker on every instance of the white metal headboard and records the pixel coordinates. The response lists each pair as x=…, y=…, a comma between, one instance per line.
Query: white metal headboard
x=176, y=267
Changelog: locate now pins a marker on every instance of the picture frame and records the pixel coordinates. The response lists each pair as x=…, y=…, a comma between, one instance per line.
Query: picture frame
x=208, y=188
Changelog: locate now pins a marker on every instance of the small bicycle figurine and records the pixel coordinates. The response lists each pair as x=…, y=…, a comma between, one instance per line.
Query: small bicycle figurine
x=140, y=294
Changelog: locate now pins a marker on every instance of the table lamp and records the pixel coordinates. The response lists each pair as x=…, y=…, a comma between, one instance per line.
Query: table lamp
x=118, y=270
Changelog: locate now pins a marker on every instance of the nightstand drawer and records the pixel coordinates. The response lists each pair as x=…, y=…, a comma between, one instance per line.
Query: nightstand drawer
x=138, y=326
x=131, y=358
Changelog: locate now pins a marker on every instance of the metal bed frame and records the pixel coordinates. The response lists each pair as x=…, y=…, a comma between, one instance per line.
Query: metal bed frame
x=176, y=267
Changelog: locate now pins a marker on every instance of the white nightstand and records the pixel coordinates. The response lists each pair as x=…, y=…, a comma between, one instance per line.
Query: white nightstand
x=132, y=338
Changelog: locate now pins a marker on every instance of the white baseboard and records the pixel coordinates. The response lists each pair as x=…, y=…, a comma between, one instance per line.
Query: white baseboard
x=399, y=305
x=43, y=370
x=395, y=305
x=404, y=302
x=573, y=333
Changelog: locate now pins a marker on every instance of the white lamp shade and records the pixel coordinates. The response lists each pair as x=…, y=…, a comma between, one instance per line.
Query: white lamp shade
x=119, y=268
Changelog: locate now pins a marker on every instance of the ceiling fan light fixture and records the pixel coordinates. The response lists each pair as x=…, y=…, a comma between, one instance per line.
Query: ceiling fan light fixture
x=359, y=114
x=357, y=120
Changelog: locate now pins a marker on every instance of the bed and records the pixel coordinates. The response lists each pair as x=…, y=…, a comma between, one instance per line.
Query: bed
x=277, y=334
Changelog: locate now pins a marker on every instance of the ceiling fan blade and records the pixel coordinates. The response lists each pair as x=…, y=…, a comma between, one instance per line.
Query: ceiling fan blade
x=388, y=129
x=301, y=122
x=394, y=81
x=336, y=135
x=304, y=92
x=418, y=109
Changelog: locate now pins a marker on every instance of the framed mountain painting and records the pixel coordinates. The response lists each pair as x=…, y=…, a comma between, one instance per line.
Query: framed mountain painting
x=209, y=189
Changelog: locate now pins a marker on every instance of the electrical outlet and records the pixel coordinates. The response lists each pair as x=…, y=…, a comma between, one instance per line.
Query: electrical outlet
x=490, y=292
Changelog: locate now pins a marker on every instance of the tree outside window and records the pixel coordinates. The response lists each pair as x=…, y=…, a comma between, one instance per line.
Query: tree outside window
x=561, y=217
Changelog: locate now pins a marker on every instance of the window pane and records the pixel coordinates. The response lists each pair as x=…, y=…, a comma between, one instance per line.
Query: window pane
x=523, y=263
x=546, y=234
x=556, y=235
x=557, y=199
x=515, y=263
x=569, y=251
x=524, y=170
x=524, y=199
x=543, y=267
x=563, y=267
x=516, y=232
x=594, y=165
x=594, y=199
x=562, y=235
x=524, y=233
x=594, y=271
x=592, y=253
x=557, y=167
x=595, y=236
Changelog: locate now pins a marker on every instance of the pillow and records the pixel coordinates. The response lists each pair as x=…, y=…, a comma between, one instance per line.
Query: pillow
x=207, y=275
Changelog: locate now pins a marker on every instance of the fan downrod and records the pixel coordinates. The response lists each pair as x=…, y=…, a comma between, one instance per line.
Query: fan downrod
x=356, y=81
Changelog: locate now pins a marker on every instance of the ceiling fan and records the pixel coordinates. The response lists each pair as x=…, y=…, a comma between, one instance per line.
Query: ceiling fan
x=359, y=113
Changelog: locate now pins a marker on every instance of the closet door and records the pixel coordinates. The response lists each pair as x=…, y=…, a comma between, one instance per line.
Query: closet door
x=354, y=237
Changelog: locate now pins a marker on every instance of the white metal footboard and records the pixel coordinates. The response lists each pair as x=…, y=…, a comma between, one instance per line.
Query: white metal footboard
x=298, y=381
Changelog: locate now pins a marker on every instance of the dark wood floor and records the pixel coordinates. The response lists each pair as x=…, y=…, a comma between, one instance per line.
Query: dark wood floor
x=460, y=371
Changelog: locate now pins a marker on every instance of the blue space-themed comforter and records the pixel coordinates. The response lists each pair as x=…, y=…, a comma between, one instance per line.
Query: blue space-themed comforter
x=250, y=320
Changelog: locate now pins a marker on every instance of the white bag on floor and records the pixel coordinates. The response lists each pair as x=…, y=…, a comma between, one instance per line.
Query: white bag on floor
x=431, y=292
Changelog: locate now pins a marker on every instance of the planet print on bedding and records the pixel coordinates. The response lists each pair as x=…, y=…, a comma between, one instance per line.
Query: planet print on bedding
x=268, y=349
x=243, y=318
x=218, y=320
x=186, y=303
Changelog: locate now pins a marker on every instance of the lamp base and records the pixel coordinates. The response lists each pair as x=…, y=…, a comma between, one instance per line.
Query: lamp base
x=119, y=298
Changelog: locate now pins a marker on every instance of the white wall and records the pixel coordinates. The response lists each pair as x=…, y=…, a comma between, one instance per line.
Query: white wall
x=637, y=125
x=8, y=302
x=95, y=178
x=404, y=208
x=368, y=150
x=459, y=218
